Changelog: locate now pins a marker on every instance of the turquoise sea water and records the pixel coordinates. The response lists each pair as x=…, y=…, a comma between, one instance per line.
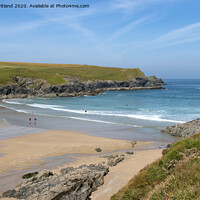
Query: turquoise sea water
x=131, y=115
x=177, y=103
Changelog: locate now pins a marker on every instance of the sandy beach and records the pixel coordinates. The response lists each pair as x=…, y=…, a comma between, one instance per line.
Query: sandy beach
x=20, y=153
x=27, y=150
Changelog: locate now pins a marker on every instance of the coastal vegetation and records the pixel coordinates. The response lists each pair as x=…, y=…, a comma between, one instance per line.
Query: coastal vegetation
x=56, y=73
x=174, y=176
x=23, y=80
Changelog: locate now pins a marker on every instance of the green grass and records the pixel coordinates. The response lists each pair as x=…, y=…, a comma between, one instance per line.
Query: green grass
x=175, y=176
x=55, y=73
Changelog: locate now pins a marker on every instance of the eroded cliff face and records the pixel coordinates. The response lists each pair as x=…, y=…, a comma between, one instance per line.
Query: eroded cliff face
x=24, y=87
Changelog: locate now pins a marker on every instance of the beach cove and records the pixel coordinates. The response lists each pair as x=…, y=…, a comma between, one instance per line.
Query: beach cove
x=68, y=137
x=26, y=153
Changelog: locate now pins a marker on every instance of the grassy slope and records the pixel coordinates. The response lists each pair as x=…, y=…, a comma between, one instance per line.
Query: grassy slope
x=55, y=73
x=175, y=176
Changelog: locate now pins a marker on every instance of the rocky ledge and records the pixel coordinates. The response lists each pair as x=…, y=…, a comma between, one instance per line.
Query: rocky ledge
x=24, y=87
x=183, y=130
x=70, y=184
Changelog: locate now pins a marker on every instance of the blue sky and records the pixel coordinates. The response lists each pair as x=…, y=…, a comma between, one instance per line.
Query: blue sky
x=161, y=37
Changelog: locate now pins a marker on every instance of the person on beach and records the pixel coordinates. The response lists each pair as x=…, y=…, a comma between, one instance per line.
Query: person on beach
x=35, y=120
x=29, y=121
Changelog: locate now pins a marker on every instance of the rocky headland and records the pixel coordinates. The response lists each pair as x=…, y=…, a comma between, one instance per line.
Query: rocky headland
x=23, y=87
x=183, y=130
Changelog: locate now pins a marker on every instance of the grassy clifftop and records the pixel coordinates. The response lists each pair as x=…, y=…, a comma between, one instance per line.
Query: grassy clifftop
x=175, y=176
x=55, y=73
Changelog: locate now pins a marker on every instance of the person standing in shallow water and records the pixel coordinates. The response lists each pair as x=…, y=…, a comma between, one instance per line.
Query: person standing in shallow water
x=29, y=121
x=35, y=120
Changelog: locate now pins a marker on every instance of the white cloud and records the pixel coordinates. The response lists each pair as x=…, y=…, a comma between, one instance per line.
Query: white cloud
x=14, y=29
x=137, y=5
x=88, y=33
x=186, y=34
x=68, y=19
x=123, y=30
x=76, y=20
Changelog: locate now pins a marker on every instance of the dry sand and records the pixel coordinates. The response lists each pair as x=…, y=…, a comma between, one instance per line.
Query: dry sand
x=27, y=150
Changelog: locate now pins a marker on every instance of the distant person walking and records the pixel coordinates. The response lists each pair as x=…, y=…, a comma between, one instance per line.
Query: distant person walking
x=29, y=121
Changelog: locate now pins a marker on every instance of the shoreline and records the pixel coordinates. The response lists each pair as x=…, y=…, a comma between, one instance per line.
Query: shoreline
x=81, y=94
x=136, y=131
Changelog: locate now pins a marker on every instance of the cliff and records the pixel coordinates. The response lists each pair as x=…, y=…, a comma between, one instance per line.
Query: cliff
x=22, y=80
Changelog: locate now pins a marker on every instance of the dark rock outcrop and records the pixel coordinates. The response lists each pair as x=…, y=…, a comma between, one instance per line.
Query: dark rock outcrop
x=113, y=160
x=24, y=87
x=183, y=130
x=71, y=184
x=98, y=150
x=130, y=152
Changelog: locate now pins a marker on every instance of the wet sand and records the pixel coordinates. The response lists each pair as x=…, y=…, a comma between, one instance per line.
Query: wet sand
x=92, y=128
x=27, y=150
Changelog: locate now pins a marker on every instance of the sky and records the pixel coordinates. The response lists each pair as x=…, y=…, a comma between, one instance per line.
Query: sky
x=161, y=37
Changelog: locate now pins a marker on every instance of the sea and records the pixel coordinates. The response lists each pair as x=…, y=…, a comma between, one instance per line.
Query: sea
x=139, y=114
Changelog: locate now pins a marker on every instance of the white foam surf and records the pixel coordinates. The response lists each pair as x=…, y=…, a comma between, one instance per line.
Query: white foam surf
x=107, y=113
x=11, y=102
x=36, y=105
x=17, y=110
x=150, y=117
x=77, y=118
x=90, y=120
x=104, y=122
